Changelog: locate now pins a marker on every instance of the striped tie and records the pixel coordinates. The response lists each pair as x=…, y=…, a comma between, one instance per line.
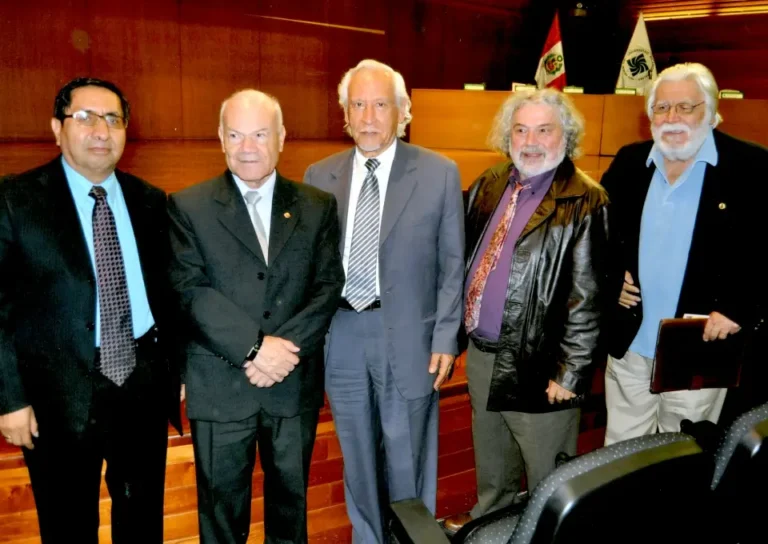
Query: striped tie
x=364, y=254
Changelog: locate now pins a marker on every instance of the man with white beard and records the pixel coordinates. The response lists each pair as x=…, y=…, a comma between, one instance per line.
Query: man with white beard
x=685, y=211
x=536, y=242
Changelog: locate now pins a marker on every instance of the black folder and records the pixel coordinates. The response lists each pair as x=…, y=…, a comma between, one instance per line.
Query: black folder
x=684, y=361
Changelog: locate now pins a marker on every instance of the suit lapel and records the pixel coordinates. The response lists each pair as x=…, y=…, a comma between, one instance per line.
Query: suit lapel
x=341, y=183
x=285, y=215
x=487, y=200
x=57, y=207
x=708, y=230
x=561, y=188
x=234, y=215
x=402, y=182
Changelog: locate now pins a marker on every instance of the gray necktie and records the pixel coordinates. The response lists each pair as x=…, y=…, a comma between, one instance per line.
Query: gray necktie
x=117, y=344
x=364, y=252
x=252, y=198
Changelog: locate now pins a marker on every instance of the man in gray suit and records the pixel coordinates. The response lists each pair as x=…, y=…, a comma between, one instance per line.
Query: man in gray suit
x=393, y=340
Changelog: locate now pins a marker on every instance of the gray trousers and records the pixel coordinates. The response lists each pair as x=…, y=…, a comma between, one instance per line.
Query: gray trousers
x=389, y=443
x=508, y=444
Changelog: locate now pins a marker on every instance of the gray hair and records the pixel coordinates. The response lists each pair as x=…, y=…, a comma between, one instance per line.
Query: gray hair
x=401, y=94
x=255, y=96
x=570, y=118
x=697, y=73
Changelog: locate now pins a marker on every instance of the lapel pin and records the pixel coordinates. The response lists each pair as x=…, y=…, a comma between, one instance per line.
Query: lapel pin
x=287, y=215
x=721, y=205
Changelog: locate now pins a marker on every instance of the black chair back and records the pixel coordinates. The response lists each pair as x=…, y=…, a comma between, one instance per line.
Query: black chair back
x=639, y=490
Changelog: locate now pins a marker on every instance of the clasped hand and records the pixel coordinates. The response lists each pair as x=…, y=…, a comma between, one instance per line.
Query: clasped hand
x=276, y=358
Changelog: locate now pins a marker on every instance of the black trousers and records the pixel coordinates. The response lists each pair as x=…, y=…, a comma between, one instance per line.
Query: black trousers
x=127, y=427
x=225, y=456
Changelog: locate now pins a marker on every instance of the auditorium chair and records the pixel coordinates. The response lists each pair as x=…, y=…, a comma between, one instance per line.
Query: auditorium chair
x=645, y=489
x=739, y=499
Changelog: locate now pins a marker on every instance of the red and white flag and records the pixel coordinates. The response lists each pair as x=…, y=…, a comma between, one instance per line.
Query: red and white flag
x=551, y=70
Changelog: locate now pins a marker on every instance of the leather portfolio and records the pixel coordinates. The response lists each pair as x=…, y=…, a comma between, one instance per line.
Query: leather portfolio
x=684, y=361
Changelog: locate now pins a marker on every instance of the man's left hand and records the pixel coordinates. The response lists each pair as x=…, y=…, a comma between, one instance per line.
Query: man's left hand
x=719, y=327
x=558, y=394
x=442, y=364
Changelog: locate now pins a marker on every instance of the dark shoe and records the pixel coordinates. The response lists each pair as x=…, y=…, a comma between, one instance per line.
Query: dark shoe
x=454, y=523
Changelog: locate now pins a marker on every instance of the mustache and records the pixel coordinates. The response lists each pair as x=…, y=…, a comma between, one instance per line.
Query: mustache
x=532, y=149
x=675, y=127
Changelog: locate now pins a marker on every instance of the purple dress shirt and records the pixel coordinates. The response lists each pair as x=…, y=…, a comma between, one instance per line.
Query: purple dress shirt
x=495, y=293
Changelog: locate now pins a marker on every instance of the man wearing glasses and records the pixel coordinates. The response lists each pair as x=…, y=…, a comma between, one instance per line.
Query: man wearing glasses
x=84, y=375
x=685, y=212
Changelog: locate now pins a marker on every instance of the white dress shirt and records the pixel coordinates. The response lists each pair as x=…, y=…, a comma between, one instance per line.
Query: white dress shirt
x=359, y=171
x=263, y=206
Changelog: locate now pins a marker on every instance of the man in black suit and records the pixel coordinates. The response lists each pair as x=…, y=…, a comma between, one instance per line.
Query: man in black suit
x=84, y=376
x=258, y=273
x=686, y=222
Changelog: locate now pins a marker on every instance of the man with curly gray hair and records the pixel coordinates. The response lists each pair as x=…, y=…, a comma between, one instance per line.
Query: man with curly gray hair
x=536, y=238
x=394, y=338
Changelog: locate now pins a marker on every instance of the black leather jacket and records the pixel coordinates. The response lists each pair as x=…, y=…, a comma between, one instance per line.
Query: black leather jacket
x=554, y=301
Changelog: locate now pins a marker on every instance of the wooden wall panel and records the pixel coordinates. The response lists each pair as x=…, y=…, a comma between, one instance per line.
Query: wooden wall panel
x=219, y=55
x=178, y=59
x=42, y=46
x=136, y=45
x=625, y=122
x=463, y=119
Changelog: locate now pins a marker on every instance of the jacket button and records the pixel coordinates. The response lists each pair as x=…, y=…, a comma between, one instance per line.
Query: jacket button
x=90, y=326
x=260, y=275
x=267, y=314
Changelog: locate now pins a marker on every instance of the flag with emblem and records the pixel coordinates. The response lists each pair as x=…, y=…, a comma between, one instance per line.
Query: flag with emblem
x=638, y=69
x=551, y=70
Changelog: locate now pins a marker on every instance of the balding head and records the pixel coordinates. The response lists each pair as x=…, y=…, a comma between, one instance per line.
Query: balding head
x=252, y=135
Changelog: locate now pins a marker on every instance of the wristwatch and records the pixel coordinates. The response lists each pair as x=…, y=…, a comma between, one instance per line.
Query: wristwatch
x=255, y=349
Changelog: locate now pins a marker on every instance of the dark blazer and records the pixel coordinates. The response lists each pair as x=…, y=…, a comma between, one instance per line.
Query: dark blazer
x=727, y=236
x=555, y=297
x=227, y=293
x=48, y=295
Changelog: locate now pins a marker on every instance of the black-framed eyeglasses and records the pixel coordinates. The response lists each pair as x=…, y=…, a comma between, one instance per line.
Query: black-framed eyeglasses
x=682, y=108
x=89, y=118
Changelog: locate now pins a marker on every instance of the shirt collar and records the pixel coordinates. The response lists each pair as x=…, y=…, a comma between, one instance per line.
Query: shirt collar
x=706, y=153
x=83, y=185
x=385, y=158
x=266, y=191
x=535, y=183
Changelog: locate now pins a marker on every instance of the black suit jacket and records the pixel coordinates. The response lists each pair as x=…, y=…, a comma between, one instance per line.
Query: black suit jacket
x=725, y=249
x=48, y=295
x=227, y=293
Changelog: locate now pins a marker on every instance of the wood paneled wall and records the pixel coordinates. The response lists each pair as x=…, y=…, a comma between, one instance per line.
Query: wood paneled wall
x=178, y=59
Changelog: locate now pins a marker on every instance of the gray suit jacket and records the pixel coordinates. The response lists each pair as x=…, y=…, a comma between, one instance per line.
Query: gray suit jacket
x=421, y=256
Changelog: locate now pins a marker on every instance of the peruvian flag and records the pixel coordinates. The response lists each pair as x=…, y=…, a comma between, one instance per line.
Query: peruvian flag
x=551, y=70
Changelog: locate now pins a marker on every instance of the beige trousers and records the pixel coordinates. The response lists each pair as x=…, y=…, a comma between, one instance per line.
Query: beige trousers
x=634, y=411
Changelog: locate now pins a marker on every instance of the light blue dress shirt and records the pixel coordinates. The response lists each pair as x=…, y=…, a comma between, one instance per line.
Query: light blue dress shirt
x=666, y=230
x=79, y=186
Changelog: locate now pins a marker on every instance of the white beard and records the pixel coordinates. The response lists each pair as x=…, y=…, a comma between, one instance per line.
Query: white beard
x=548, y=163
x=696, y=137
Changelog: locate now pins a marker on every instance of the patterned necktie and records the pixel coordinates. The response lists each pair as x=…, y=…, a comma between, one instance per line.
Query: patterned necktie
x=488, y=263
x=118, y=348
x=252, y=198
x=364, y=253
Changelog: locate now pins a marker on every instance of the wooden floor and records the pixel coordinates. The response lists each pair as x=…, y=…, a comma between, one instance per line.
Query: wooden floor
x=173, y=165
